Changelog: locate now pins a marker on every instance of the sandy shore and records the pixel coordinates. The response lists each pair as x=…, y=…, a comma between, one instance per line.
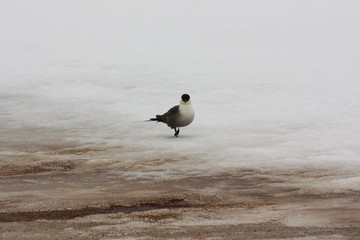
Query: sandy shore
x=64, y=201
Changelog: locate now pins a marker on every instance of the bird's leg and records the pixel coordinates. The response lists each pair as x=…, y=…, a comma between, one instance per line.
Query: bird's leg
x=177, y=132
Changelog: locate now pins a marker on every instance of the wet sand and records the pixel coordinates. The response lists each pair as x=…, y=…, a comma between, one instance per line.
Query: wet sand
x=44, y=196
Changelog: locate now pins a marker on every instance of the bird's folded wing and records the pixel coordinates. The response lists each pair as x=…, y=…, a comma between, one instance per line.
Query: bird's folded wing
x=173, y=111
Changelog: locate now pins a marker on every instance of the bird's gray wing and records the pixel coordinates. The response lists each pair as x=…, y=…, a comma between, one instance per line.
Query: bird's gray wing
x=172, y=111
x=170, y=116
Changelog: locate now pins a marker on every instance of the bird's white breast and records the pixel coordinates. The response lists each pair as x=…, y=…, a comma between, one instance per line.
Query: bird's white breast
x=186, y=114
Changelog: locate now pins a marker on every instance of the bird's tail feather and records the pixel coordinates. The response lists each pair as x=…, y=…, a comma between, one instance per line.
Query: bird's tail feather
x=157, y=118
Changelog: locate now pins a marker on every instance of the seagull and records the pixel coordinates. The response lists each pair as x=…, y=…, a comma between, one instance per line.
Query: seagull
x=178, y=116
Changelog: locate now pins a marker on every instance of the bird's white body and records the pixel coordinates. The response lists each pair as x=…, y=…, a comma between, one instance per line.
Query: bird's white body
x=186, y=114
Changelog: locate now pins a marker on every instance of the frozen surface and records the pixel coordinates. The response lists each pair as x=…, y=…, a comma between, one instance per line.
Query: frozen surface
x=275, y=85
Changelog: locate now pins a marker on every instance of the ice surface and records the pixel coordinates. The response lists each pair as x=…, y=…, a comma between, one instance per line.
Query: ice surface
x=275, y=85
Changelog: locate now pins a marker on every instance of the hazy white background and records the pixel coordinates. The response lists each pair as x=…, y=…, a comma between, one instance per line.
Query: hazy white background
x=275, y=84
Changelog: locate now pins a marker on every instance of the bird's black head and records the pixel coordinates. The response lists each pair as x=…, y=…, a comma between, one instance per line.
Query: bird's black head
x=185, y=97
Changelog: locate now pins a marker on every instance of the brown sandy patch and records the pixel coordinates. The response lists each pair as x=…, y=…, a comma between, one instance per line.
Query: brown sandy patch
x=104, y=205
x=42, y=167
x=44, y=196
x=143, y=205
x=63, y=214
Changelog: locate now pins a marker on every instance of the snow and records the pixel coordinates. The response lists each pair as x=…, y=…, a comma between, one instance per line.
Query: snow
x=275, y=85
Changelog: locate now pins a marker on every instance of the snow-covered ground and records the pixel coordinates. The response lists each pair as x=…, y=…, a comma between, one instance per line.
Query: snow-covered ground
x=275, y=84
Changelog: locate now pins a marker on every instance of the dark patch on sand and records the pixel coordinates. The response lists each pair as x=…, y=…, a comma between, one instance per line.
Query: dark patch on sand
x=35, y=168
x=162, y=203
x=156, y=216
